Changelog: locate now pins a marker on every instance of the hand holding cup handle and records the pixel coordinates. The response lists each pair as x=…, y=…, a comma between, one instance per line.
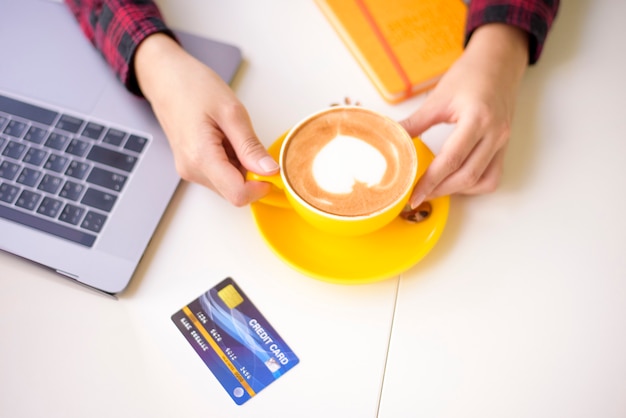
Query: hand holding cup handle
x=276, y=196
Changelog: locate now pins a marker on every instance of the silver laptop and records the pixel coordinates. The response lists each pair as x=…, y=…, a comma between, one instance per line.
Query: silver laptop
x=85, y=170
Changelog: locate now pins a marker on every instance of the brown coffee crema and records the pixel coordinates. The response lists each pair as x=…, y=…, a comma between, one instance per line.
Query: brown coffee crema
x=382, y=133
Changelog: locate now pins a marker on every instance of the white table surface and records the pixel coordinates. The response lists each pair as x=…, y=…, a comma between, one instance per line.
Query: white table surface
x=519, y=311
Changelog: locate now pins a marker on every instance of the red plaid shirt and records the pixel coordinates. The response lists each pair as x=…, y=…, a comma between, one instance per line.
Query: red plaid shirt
x=116, y=27
x=533, y=16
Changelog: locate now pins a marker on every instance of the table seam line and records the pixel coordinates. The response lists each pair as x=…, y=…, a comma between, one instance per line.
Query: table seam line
x=393, y=318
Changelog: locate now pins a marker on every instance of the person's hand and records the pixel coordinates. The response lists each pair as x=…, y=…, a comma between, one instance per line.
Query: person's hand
x=477, y=94
x=209, y=130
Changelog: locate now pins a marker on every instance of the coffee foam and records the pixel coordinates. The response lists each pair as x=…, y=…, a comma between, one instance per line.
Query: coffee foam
x=322, y=162
x=346, y=160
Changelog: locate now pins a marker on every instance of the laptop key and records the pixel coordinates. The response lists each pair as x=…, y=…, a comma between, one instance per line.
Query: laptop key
x=70, y=123
x=136, y=143
x=14, y=150
x=8, y=170
x=99, y=199
x=77, y=169
x=94, y=221
x=71, y=190
x=36, y=135
x=27, y=110
x=8, y=192
x=15, y=128
x=50, y=184
x=29, y=177
x=35, y=156
x=72, y=214
x=57, y=141
x=50, y=227
x=92, y=130
x=56, y=163
x=112, y=158
x=50, y=207
x=28, y=200
x=114, y=137
x=77, y=147
x=106, y=178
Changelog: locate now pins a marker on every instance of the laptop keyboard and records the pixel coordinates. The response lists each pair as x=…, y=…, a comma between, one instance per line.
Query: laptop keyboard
x=59, y=173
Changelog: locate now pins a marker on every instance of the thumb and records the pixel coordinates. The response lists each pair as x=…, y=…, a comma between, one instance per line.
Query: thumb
x=253, y=155
x=249, y=150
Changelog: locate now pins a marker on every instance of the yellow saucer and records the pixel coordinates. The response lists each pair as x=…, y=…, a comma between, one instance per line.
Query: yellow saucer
x=350, y=260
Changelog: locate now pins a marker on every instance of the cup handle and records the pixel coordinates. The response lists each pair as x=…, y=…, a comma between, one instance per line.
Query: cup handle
x=420, y=150
x=276, y=196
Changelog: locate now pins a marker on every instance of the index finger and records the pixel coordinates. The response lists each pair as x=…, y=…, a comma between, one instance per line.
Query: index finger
x=454, y=152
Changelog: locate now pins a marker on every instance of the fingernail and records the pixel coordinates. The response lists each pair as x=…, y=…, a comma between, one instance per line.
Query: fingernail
x=417, y=200
x=268, y=164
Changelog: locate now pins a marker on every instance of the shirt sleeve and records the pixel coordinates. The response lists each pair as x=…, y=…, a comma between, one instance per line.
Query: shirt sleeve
x=116, y=28
x=533, y=16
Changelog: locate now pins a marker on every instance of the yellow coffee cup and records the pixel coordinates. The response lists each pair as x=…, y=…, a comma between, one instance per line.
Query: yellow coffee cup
x=346, y=170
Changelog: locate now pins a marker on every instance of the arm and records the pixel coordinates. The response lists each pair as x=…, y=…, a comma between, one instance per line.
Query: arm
x=209, y=130
x=478, y=95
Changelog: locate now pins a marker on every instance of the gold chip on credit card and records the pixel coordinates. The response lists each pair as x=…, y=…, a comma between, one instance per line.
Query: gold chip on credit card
x=230, y=296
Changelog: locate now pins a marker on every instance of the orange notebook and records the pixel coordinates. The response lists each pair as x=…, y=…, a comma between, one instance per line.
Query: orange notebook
x=404, y=46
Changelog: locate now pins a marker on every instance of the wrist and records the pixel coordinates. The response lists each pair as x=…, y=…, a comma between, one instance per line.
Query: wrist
x=151, y=58
x=502, y=38
x=503, y=47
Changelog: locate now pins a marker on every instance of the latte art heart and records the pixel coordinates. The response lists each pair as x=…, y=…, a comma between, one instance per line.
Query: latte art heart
x=346, y=161
x=349, y=162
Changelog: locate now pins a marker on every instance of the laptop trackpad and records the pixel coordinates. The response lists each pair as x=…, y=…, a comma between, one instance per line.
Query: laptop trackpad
x=26, y=51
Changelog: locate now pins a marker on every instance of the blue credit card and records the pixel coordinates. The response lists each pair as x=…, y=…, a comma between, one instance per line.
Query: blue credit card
x=235, y=341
